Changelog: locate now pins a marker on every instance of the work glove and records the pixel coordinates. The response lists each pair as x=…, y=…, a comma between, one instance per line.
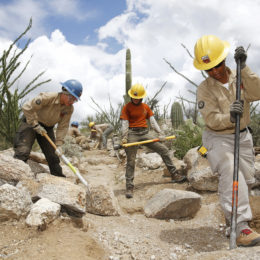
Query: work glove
x=240, y=54
x=162, y=137
x=123, y=140
x=236, y=108
x=39, y=130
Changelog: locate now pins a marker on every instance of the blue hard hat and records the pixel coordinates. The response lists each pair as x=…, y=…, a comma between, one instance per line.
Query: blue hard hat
x=75, y=123
x=74, y=87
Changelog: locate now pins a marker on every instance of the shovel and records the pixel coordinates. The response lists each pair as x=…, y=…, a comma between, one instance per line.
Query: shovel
x=118, y=146
x=67, y=162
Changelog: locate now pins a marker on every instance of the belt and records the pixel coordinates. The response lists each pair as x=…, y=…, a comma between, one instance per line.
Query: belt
x=137, y=128
x=241, y=131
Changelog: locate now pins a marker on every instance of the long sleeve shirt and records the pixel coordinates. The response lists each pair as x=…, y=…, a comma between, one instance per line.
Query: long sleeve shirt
x=214, y=100
x=47, y=109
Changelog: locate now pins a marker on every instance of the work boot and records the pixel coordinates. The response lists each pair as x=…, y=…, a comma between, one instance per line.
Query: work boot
x=177, y=177
x=129, y=193
x=248, y=237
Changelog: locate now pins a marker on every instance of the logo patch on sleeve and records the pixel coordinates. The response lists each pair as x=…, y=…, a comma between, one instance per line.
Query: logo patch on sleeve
x=201, y=104
x=38, y=102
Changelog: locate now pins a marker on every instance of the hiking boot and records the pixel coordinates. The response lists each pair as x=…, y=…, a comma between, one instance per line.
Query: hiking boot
x=129, y=193
x=177, y=177
x=248, y=237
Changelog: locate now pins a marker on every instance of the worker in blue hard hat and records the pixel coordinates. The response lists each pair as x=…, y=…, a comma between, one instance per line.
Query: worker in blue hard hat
x=41, y=114
x=80, y=139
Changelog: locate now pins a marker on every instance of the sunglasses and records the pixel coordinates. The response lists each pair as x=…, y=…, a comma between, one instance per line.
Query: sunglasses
x=217, y=66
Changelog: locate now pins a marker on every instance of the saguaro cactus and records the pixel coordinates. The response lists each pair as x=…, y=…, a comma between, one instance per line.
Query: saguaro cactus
x=176, y=115
x=128, y=75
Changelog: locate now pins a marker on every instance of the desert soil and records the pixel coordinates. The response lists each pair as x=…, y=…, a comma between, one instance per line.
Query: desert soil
x=130, y=235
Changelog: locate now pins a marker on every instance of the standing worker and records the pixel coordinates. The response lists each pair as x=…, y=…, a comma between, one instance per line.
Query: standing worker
x=41, y=114
x=217, y=103
x=102, y=133
x=134, y=129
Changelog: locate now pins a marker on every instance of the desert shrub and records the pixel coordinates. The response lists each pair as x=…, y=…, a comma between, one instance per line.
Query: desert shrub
x=189, y=136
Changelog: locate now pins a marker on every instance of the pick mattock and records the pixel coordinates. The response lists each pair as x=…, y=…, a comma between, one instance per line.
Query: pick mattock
x=116, y=147
x=67, y=162
x=232, y=242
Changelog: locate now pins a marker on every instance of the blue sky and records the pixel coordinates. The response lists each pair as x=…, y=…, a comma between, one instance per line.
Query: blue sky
x=87, y=40
x=83, y=30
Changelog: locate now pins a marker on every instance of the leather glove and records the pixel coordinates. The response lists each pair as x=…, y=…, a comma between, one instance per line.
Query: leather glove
x=240, y=54
x=162, y=137
x=236, y=108
x=124, y=140
x=39, y=130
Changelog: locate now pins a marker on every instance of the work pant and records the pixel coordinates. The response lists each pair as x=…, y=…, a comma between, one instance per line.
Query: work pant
x=105, y=135
x=24, y=140
x=221, y=159
x=142, y=135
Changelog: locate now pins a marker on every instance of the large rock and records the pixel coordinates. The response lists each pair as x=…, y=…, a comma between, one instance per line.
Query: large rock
x=42, y=213
x=173, y=204
x=14, y=203
x=199, y=172
x=149, y=160
x=13, y=170
x=203, y=179
x=63, y=192
x=102, y=201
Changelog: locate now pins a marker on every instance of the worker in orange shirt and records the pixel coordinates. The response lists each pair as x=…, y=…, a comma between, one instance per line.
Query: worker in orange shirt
x=134, y=118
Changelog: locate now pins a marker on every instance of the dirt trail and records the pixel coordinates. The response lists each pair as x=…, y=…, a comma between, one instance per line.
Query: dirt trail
x=126, y=237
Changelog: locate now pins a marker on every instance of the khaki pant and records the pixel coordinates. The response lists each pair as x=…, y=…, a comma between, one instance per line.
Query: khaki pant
x=105, y=135
x=23, y=142
x=142, y=135
x=221, y=159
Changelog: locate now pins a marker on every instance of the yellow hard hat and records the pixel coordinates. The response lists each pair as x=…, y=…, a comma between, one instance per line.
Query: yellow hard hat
x=209, y=51
x=137, y=91
x=91, y=124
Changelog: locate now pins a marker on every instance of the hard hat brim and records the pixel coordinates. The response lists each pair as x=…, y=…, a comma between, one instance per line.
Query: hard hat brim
x=135, y=97
x=71, y=93
x=210, y=65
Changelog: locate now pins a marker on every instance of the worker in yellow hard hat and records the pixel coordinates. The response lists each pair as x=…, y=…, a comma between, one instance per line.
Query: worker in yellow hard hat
x=134, y=118
x=100, y=132
x=219, y=108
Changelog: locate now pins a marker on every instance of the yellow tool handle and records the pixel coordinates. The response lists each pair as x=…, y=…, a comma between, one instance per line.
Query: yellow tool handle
x=50, y=141
x=148, y=141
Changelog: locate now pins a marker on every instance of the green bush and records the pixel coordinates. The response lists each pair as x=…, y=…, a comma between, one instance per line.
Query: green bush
x=188, y=137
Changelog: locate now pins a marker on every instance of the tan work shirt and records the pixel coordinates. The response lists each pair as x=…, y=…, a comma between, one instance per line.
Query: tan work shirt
x=101, y=128
x=74, y=132
x=47, y=109
x=214, y=100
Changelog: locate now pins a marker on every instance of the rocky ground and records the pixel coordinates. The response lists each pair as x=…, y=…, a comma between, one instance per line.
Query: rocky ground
x=129, y=236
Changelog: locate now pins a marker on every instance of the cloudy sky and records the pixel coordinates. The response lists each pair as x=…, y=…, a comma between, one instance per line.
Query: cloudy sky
x=87, y=40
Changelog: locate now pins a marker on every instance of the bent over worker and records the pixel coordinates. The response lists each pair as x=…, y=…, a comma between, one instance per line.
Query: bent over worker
x=135, y=128
x=217, y=103
x=102, y=133
x=41, y=114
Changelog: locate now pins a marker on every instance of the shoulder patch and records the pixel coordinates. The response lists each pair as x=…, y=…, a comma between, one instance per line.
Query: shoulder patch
x=38, y=102
x=201, y=104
